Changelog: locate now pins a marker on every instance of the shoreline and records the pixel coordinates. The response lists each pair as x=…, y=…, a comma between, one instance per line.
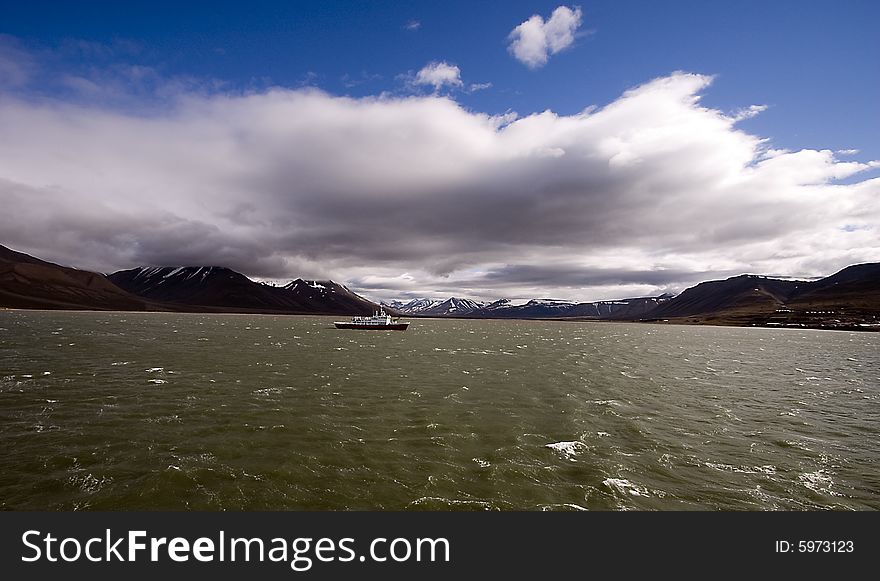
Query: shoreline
x=860, y=327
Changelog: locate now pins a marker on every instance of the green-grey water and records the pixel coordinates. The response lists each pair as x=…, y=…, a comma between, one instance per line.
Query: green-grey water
x=124, y=411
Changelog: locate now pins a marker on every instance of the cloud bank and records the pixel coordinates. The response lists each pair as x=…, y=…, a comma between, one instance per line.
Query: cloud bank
x=411, y=196
x=533, y=41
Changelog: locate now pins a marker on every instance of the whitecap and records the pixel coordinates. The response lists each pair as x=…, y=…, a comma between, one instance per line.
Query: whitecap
x=768, y=469
x=568, y=449
x=562, y=506
x=451, y=503
x=625, y=486
x=817, y=481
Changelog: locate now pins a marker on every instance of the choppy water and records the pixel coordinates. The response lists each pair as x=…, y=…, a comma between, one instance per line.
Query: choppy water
x=168, y=411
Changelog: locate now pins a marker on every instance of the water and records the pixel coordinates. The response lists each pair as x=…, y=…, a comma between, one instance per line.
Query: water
x=124, y=411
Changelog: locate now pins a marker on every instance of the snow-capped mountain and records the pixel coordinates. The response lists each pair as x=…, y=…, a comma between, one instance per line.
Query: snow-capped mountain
x=532, y=309
x=552, y=308
x=535, y=308
x=415, y=306
x=497, y=305
x=550, y=303
x=453, y=307
x=312, y=287
x=218, y=287
x=848, y=299
x=329, y=296
x=183, y=284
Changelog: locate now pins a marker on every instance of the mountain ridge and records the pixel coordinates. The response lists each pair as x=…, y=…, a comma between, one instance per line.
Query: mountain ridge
x=31, y=283
x=849, y=298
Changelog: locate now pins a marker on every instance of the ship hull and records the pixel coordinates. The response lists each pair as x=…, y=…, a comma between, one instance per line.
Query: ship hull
x=391, y=327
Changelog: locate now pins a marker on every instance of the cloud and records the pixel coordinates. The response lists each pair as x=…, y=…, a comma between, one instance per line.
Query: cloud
x=413, y=25
x=349, y=81
x=16, y=63
x=533, y=41
x=439, y=74
x=749, y=112
x=647, y=193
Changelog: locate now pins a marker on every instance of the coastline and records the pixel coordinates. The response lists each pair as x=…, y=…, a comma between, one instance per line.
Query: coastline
x=683, y=321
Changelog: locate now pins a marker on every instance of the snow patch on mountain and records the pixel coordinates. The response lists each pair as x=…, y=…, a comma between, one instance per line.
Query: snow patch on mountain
x=412, y=307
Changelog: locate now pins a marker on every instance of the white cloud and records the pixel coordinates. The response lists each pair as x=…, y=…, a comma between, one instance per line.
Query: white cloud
x=533, y=41
x=438, y=75
x=474, y=87
x=749, y=112
x=413, y=25
x=652, y=191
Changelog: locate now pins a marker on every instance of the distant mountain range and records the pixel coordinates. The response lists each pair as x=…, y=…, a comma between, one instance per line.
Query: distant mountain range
x=533, y=309
x=452, y=306
x=849, y=299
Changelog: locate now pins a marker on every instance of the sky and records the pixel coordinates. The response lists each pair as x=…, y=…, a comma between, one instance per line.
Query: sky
x=519, y=149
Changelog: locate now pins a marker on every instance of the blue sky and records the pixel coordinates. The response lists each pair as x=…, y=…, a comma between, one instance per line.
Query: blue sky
x=809, y=66
x=811, y=62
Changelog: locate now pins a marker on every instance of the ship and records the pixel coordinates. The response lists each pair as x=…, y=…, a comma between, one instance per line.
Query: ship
x=380, y=321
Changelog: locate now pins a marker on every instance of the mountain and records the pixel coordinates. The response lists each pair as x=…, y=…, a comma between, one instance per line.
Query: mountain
x=328, y=296
x=452, y=307
x=628, y=309
x=203, y=286
x=498, y=305
x=412, y=307
x=30, y=283
x=856, y=286
x=745, y=293
x=534, y=309
x=847, y=299
x=219, y=288
x=558, y=309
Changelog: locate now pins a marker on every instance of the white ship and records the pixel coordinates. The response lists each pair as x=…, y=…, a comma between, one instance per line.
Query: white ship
x=379, y=321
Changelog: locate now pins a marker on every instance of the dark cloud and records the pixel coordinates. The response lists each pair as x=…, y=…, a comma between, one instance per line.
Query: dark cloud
x=573, y=277
x=415, y=195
